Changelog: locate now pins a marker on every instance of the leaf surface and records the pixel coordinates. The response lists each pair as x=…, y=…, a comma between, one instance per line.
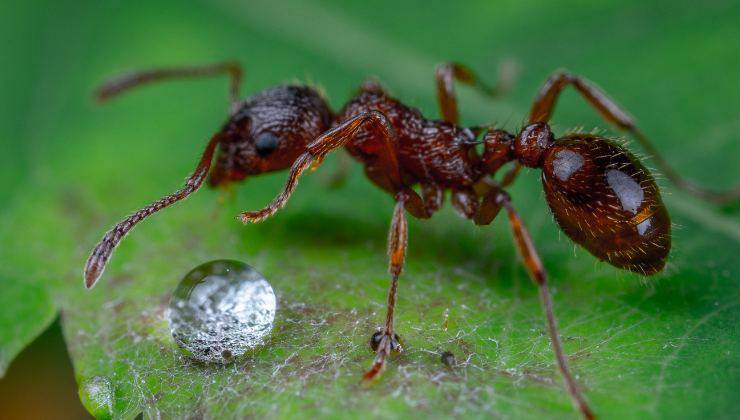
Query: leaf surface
x=658, y=347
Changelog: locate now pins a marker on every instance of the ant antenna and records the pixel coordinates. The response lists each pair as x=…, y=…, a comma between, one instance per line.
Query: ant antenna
x=132, y=80
x=102, y=252
x=99, y=258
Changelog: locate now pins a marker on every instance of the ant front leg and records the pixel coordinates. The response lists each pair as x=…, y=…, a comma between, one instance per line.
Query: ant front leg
x=129, y=81
x=445, y=77
x=333, y=139
x=544, y=105
x=537, y=272
x=386, y=341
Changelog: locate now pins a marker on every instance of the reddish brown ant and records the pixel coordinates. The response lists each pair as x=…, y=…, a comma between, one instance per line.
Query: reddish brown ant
x=600, y=194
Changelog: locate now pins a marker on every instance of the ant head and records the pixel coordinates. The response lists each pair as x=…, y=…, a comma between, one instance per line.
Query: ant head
x=606, y=200
x=249, y=149
x=268, y=133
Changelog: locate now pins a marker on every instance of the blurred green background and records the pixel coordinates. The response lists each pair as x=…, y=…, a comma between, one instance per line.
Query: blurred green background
x=660, y=347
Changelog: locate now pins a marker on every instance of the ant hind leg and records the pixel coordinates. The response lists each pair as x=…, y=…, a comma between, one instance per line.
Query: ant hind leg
x=537, y=272
x=544, y=105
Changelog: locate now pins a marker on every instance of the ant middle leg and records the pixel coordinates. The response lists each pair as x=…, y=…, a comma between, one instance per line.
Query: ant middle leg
x=544, y=105
x=385, y=341
x=125, y=82
x=536, y=271
x=406, y=199
x=445, y=76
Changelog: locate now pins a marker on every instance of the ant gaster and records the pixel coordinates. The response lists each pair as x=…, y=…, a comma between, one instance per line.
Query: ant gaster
x=601, y=196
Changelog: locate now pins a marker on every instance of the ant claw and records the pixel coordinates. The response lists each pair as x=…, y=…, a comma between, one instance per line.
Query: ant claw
x=378, y=336
x=383, y=343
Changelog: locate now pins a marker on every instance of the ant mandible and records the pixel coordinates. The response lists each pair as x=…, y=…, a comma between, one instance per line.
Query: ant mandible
x=601, y=196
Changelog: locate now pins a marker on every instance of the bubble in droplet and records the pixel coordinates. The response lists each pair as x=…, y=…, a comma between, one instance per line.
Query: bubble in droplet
x=220, y=310
x=96, y=394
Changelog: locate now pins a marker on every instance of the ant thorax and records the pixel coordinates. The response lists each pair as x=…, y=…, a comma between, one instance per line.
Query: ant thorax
x=428, y=151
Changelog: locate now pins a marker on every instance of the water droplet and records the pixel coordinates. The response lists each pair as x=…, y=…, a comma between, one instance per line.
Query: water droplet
x=96, y=394
x=220, y=310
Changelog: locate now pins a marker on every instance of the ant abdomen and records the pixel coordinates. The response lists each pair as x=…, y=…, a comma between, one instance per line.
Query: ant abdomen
x=607, y=201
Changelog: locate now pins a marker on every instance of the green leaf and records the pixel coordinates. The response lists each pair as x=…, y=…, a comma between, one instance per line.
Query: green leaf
x=657, y=347
x=26, y=311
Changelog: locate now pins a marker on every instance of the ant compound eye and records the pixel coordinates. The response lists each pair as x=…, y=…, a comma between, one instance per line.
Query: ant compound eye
x=265, y=143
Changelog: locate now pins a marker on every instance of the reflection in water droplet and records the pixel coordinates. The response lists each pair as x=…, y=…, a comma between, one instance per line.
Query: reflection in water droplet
x=96, y=394
x=220, y=310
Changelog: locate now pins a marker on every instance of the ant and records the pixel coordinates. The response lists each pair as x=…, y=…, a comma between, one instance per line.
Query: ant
x=601, y=196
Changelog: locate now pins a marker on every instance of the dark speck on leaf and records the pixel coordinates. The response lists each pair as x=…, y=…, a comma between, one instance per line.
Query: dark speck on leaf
x=448, y=359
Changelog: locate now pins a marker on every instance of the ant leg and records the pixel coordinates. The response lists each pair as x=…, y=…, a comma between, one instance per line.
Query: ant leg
x=387, y=341
x=465, y=202
x=539, y=276
x=333, y=139
x=544, y=105
x=129, y=81
x=101, y=253
x=433, y=197
x=511, y=174
x=489, y=206
x=447, y=73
